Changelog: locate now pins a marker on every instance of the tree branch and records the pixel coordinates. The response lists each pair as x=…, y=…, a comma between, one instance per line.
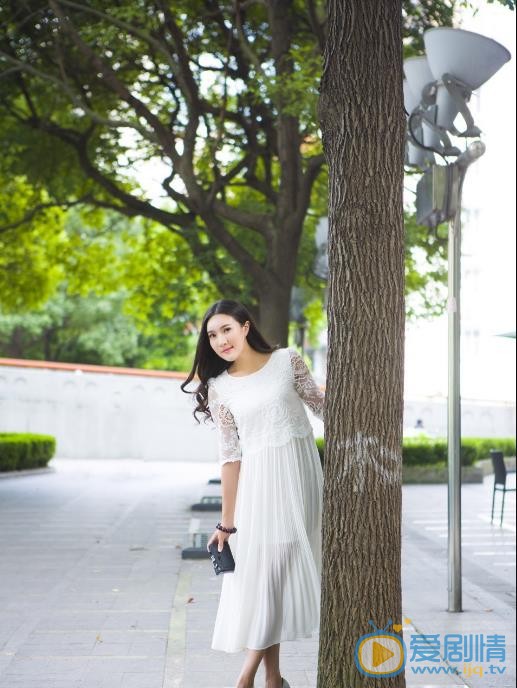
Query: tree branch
x=234, y=248
x=33, y=212
x=189, y=88
x=315, y=24
x=186, y=80
x=222, y=180
x=314, y=165
x=114, y=83
x=243, y=41
x=204, y=253
x=125, y=26
x=258, y=222
x=135, y=205
x=78, y=101
x=287, y=133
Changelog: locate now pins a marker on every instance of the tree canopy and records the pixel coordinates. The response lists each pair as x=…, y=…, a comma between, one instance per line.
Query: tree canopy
x=223, y=95
x=59, y=293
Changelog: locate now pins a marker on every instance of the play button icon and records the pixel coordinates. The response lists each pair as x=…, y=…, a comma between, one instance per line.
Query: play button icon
x=380, y=654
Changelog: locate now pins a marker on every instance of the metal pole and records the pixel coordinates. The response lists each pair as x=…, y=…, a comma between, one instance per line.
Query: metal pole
x=454, y=410
x=458, y=172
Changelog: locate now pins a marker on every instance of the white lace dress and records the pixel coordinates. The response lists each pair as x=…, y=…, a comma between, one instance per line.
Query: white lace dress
x=274, y=593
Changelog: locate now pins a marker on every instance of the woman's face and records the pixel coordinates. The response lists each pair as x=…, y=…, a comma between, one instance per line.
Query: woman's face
x=227, y=336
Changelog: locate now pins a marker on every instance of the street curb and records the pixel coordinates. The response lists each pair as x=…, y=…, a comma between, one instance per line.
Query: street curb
x=27, y=471
x=431, y=475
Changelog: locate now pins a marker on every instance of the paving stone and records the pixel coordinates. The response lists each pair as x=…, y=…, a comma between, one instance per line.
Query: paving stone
x=91, y=565
x=146, y=680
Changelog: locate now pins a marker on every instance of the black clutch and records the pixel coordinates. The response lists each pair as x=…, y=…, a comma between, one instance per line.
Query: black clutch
x=223, y=561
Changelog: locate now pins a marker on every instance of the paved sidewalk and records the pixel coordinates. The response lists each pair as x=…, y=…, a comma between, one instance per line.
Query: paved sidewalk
x=94, y=593
x=488, y=594
x=89, y=561
x=488, y=575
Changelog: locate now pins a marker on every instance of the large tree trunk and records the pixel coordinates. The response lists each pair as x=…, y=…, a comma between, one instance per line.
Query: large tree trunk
x=274, y=292
x=273, y=310
x=15, y=345
x=363, y=124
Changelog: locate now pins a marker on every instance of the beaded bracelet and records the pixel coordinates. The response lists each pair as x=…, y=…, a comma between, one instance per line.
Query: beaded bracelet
x=220, y=526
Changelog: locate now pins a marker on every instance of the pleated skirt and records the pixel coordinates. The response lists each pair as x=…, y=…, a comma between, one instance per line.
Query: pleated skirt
x=274, y=593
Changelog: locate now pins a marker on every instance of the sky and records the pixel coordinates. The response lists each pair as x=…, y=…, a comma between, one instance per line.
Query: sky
x=488, y=245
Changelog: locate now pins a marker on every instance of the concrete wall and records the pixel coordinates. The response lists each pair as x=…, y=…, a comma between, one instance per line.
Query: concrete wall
x=478, y=418
x=105, y=414
x=96, y=412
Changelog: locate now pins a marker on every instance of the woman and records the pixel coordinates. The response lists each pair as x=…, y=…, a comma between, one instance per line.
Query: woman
x=271, y=481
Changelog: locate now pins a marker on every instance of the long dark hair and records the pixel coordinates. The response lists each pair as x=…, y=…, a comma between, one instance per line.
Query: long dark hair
x=207, y=363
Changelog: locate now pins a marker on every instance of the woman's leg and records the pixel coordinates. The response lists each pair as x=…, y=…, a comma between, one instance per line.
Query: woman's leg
x=272, y=667
x=271, y=657
x=249, y=669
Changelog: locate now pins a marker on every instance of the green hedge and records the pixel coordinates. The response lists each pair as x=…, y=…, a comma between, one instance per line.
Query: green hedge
x=417, y=451
x=484, y=445
x=320, y=443
x=422, y=451
x=426, y=453
x=19, y=451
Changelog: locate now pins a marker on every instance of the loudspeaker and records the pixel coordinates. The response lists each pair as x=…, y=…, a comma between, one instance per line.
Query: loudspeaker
x=418, y=75
x=461, y=61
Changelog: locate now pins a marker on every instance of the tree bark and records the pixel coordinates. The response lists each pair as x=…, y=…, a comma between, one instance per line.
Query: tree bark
x=15, y=345
x=273, y=313
x=362, y=120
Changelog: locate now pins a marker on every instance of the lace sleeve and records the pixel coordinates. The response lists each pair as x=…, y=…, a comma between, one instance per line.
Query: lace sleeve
x=228, y=438
x=306, y=386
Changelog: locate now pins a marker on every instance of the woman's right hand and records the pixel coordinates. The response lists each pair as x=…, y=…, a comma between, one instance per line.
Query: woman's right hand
x=219, y=537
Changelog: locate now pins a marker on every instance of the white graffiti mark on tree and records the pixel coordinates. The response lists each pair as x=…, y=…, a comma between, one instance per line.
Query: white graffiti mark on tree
x=362, y=452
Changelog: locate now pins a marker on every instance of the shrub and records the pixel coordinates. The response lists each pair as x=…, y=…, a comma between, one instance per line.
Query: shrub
x=483, y=445
x=422, y=451
x=20, y=451
x=320, y=444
